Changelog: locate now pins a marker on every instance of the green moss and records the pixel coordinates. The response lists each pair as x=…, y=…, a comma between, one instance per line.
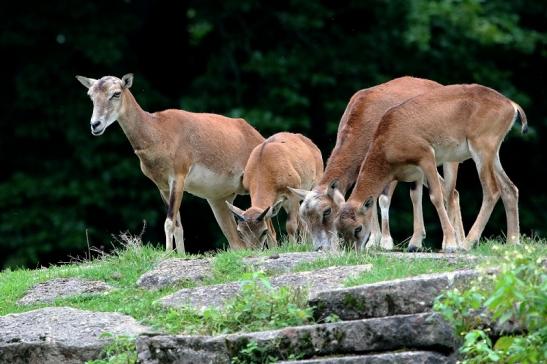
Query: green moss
x=353, y=303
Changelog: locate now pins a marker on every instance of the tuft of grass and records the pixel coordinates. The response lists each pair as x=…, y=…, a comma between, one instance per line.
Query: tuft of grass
x=259, y=307
x=494, y=250
x=120, y=350
x=120, y=269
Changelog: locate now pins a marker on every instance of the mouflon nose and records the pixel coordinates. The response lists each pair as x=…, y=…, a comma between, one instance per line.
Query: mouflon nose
x=95, y=124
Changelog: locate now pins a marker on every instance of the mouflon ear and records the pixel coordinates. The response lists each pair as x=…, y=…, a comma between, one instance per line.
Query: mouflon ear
x=334, y=193
x=369, y=202
x=301, y=194
x=264, y=214
x=276, y=208
x=87, y=82
x=332, y=188
x=238, y=213
x=127, y=80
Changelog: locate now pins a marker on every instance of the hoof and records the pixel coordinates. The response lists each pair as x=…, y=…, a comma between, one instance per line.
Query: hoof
x=386, y=244
x=450, y=250
x=413, y=249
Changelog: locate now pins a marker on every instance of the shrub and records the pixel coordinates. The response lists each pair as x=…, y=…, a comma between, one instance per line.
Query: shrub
x=517, y=295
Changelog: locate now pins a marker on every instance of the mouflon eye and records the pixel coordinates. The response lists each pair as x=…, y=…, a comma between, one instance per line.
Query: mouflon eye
x=116, y=95
x=263, y=235
x=327, y=212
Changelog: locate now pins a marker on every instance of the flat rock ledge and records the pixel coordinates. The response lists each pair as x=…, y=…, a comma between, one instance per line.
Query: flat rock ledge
x=175, y=270
x=47, y=292
x=217, y=295
x=450, y=257
x=55, y=335
x=396, y=297
x=423, y=332
x=404, y=357
x=282, y=263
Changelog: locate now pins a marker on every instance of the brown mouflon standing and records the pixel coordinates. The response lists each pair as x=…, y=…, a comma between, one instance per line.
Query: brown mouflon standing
x=283, y=160
x=448, y=124
x=355, y=132
x=203, y=154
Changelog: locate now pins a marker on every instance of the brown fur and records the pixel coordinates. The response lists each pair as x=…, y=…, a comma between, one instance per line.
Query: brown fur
x=204, y=154
x=355, y=133
x=284, y=160
x=449, y=124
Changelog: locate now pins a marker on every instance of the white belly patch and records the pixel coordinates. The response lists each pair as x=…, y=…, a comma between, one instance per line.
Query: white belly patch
x=208, y=184
x=452, y=152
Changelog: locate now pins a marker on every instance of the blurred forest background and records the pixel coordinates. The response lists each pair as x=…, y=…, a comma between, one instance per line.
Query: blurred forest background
x=283, y=65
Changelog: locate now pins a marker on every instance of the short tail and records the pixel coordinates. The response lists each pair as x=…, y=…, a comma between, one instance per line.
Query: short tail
x=522, y=116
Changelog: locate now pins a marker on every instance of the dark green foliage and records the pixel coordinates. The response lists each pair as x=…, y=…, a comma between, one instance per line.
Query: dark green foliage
x=289, y=65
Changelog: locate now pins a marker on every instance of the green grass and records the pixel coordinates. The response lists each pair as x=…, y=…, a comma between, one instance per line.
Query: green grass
x=384, y=267
x=124, y=266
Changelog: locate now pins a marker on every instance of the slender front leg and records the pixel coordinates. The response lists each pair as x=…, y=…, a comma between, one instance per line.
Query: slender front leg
x=452, y=200
x=375, y=232
x=291, y=207
x=418, y=235
x=272, y=235
x=386, y=242
x=429, y=168
x=225, y=220
x=179, y=234
x=176, y=190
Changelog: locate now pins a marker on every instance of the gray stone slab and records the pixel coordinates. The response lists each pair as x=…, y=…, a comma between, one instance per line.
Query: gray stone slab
x=282, y=263
x=319, y=280
x=47, y=292
x=176, y=270
x=426, y=332
x=451, y=257
x=202, y=297
x=405, y=357
x=55, y=335
x=400, y=296
x=217, y=295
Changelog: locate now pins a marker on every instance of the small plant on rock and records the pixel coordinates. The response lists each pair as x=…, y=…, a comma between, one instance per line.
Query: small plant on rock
x=258, y=307
x=503, y=317
x=121, y=350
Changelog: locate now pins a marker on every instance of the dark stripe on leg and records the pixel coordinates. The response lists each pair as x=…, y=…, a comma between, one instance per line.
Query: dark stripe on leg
x=171, y=202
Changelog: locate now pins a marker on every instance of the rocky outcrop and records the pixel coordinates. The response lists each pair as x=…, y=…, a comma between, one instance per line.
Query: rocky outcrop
x=282, y=263
x=55, y=335
x=217, y=295
x=176, y=270
x=401, y=296
x=419, y=332
x=380, y=323
x=47, y=292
